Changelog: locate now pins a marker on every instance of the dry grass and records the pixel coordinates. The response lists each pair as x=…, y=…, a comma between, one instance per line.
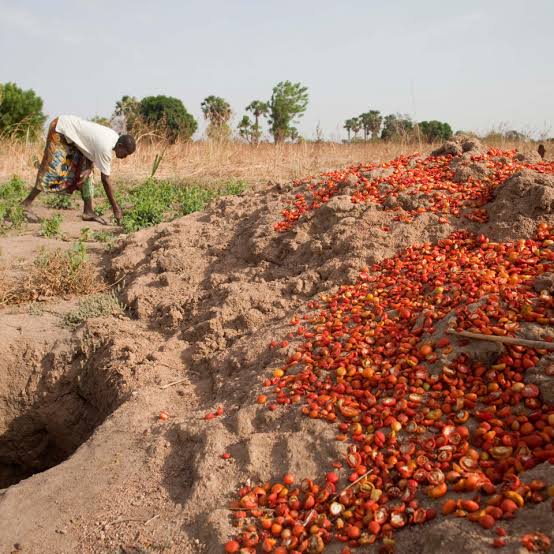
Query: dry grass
x=55, y=273
x=208, y=161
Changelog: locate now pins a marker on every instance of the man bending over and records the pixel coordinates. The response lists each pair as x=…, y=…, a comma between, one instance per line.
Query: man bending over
x=73, y=147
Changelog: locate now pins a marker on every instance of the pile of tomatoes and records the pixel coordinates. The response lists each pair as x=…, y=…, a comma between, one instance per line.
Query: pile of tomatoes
x=432, y=177
x=430, y=429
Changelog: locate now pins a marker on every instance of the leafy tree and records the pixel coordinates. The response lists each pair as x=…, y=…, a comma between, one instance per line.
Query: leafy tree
x=288, y=102
x=246, y=128
x=127, y=110
x=168, y=115
x=294, y=135
x=20, y=112
x=396, y=127
x=371, y=123
x=434, y=131
x=218, y=112
x=258, y=109
x=356, y=125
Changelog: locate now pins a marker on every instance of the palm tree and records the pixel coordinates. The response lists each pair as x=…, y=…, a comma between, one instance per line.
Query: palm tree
x=127, y=109
x=375, y=122
x=258, y=109
x=218, y=112
x=356, y=125
x=364, y=119
x=348, y=127
x=371, y=123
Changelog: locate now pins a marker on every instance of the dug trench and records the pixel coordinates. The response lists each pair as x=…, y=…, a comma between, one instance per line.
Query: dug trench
x=214, y=299
x=53, y=394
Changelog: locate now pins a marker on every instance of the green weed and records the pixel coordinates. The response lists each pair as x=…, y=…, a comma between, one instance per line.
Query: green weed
x=12, y=194
x=149, y=204
x=97, y=305
x=85, y=235
x=51, y=226
x=105, y=237
x=156, y=201
x=59, y=201
x=194, y=198
x=233, y=187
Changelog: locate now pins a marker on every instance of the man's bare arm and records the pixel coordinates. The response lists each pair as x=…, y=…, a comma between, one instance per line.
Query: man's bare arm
x=109, y=193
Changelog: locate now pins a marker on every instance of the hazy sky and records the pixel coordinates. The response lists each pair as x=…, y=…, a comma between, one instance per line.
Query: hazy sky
x=476, y=64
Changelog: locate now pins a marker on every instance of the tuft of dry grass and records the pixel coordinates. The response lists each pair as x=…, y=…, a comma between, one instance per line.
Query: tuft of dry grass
x=54, y=273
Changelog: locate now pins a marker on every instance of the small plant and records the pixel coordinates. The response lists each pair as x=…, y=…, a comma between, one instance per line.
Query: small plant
x=194, y=198
x=105, y=237
x=12, y=194
x=84, y=235
x=233, y=187
x=56, y=273
x=59, y=201
x=51, y=226
x=100, y=209
x=97, y=305
x=149, y=204
x=156, y=163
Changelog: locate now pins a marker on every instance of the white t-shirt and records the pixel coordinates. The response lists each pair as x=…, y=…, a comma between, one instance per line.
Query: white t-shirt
x=95, y=141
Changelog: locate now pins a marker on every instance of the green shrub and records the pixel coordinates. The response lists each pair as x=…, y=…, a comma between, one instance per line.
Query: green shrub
x=20, y=112
x=51, y=226
x=194, y=198
x=149, y=203
x=59, y=201
x=435, y=131
x=12, y=194
x=233, y=188
x=168, y=115
x=97, y=305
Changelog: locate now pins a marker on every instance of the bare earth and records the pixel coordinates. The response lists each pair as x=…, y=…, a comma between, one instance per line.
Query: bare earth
x=207, y=294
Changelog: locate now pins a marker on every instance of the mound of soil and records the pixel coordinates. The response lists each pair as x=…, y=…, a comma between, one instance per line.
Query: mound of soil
x=216, y=298
x=460, y=145
x=520, y=203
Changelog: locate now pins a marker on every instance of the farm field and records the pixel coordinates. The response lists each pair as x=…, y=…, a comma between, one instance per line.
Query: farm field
x=264, y=358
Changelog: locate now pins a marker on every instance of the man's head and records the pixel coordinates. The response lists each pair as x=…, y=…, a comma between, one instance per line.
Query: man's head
x=125, y=146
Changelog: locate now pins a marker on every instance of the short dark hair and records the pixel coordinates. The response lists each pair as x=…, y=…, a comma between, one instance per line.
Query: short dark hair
x=128, y=142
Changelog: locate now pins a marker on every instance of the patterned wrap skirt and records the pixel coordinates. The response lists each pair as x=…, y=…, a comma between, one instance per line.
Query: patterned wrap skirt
x=62, y=164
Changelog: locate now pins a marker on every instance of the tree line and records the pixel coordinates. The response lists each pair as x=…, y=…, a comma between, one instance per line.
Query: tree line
x=395, y=127
x=166, y=117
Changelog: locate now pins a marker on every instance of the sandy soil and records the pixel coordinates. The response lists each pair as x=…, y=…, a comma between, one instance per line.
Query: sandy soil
x=206, y=294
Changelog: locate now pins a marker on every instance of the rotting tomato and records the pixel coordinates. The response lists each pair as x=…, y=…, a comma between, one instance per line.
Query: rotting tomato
x=368, y=366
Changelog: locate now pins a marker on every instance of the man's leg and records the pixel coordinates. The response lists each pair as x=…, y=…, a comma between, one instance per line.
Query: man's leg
x=31, y=216
x=87, y=193
x=29, y=200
